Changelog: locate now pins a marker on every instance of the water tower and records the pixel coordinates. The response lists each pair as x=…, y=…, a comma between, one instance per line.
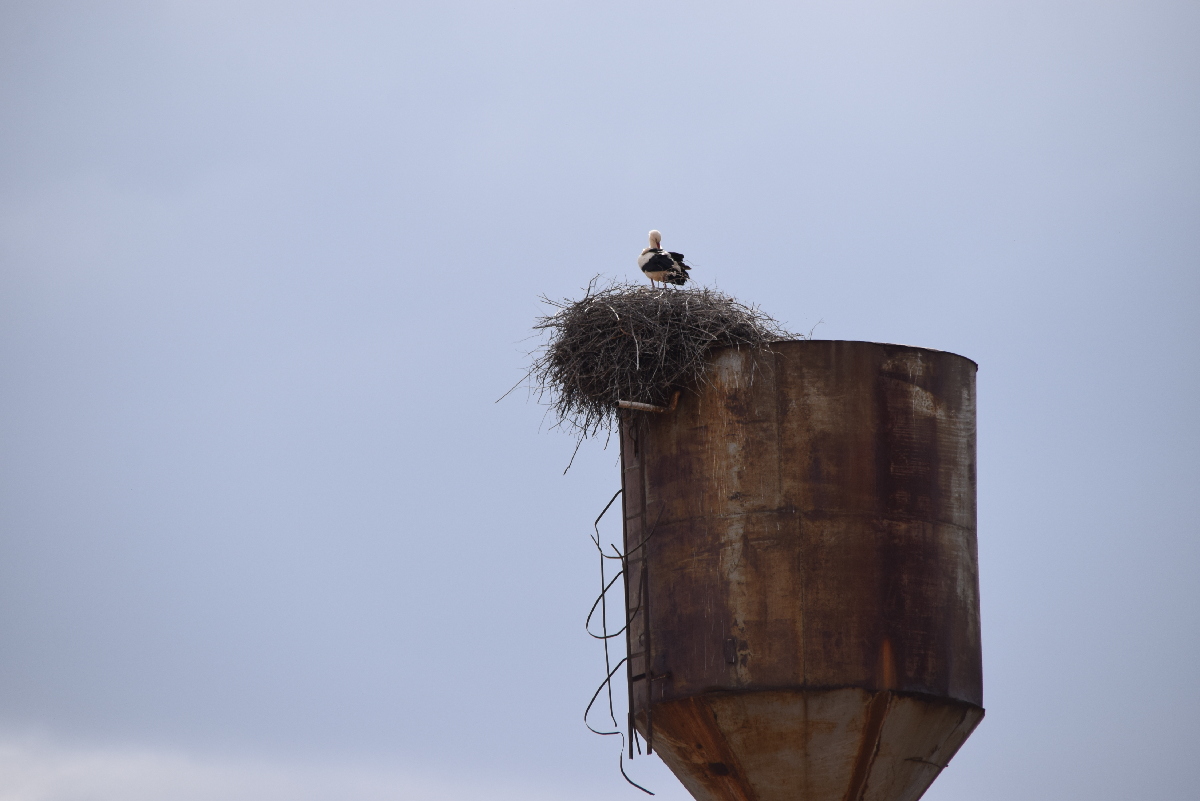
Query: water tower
x=802, y=582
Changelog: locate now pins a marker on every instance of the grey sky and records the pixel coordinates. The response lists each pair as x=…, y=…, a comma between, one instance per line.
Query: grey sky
x=265, y=266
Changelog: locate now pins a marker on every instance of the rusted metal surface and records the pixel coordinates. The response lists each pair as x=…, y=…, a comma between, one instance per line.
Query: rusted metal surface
x=802, y=573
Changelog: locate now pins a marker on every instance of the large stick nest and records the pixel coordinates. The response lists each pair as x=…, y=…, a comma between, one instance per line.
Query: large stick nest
x=629, y=342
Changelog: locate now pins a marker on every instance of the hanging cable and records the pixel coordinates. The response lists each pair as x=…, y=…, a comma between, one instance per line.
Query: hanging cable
x=605, y=635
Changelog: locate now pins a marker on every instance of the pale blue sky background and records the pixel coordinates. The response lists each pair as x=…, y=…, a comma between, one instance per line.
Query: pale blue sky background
x=265, y=266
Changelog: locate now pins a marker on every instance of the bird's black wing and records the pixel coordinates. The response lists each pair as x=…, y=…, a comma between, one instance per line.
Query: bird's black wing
x=678, y=257
x=658, y=263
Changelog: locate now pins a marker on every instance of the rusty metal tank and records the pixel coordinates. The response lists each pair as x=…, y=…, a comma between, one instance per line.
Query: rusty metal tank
x=802, y=582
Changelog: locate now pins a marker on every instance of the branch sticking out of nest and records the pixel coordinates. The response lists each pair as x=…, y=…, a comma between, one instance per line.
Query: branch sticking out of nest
x=626, y=342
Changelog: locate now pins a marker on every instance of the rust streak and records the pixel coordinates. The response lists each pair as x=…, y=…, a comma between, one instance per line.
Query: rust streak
x=868, y=745
x=695, y=732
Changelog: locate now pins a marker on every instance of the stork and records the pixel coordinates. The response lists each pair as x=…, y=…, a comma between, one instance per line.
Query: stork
x=662, y=265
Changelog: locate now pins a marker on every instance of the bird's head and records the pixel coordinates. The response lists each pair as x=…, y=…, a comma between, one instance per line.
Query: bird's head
x=655, y=239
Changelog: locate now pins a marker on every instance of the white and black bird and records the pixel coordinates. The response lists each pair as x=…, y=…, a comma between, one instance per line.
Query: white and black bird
x=662, y=265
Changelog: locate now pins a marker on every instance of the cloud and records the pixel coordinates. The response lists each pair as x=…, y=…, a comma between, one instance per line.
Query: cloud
x=37, y=770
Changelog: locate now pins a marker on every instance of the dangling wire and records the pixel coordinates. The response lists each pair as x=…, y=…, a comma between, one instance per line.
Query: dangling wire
x=631, y=781
x=604, y=636
x=606, y=683
x=599, y=601
x=604, y=602
x=621, y=753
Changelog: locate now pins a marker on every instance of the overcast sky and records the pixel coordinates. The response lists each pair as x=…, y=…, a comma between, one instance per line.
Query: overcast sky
x=264, y=268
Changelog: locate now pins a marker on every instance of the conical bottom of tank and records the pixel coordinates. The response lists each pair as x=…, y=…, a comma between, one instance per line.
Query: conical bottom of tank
x=844, y=744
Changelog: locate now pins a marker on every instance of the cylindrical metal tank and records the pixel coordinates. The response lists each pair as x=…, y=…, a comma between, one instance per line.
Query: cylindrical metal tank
x=802, y=582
